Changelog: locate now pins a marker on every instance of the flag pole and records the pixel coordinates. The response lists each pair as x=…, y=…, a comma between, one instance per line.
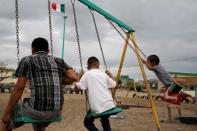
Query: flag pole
x=64, y=32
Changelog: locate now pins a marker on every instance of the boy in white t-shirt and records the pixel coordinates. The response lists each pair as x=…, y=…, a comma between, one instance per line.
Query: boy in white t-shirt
x=98, y=85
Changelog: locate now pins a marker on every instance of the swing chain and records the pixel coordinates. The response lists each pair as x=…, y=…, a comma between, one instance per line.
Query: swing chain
x=98, y=37
x=17, y=30
x=73, y=1
x=50, y=26
x=17, y=36
x=77, y=33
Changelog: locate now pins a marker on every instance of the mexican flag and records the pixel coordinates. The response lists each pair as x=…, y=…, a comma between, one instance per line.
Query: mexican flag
x=58, y=7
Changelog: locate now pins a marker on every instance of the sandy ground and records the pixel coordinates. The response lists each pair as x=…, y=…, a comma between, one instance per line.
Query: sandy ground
x=137, y=119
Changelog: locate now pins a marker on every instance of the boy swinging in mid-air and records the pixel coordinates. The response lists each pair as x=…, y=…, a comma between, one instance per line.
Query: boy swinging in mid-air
x=172, y=89
x=98, y=85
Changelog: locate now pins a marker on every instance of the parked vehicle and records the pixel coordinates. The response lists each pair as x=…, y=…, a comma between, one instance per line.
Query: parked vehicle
x=69, y=89
x=8, y=86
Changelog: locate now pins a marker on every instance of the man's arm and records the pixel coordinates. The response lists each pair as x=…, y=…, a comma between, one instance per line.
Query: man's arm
x=14, y=98
x=70, y=77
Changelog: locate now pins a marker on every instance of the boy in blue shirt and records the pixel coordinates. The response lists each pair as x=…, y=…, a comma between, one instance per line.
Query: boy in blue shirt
x=172, y=89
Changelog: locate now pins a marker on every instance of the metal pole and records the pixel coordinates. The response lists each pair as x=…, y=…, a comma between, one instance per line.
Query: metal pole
x=77, y=32
x=122, y=60
x=127, y=93
x=63, y=40
x=155, y=115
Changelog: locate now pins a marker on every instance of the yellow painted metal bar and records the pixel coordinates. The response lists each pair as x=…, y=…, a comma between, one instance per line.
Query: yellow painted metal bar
x=122, y=61
x=134, y=85
x=155, y=115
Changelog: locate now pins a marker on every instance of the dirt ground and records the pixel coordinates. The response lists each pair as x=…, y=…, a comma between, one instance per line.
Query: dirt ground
x=137, y=119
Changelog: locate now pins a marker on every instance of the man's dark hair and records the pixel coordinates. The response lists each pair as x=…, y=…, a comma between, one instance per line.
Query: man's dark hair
x=154, y=59
x=40, y=44
x=92, y=60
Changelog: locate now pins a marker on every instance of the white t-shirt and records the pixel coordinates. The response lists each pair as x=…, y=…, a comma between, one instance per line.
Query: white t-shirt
x=98, y=86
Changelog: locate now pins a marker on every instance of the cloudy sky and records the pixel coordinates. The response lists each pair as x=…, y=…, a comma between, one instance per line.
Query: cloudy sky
x=167, y=28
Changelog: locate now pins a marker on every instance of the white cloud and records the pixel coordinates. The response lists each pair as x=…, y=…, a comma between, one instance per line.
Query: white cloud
x=167, y=28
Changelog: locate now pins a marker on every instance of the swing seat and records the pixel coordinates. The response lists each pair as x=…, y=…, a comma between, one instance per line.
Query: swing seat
x=20, y=116
x=27, y=119
x=112, y=111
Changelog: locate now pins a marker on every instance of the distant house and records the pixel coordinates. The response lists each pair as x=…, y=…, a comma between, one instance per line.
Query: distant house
x=153, y=83
x=125, y=80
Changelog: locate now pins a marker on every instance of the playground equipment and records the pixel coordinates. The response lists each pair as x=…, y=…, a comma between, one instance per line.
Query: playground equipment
x=19, y=114
x=131, y=85
x=129, y=36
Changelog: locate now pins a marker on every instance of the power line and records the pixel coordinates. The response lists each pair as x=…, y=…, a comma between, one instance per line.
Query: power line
x=178, y=60
x=170, y=61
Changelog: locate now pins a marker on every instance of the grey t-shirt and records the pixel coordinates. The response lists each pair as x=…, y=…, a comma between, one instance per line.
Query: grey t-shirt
x=162, y=75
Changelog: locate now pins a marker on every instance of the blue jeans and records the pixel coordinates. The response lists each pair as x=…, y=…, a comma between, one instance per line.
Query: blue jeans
x=89, y=123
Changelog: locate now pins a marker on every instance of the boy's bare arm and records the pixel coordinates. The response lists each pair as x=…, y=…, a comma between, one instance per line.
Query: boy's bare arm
x=110, y=75
x=147, y=65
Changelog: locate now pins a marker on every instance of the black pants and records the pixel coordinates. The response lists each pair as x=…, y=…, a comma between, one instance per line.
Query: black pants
x=89, y=123
x=40, y=126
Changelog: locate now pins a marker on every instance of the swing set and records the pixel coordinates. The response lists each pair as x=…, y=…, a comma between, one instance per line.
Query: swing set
x=117, y=25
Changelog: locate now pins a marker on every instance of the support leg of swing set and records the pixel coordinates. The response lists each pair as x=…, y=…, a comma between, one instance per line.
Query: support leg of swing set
x=155, y=115
x=122, y=60
x=128, y=90
x=127, y=94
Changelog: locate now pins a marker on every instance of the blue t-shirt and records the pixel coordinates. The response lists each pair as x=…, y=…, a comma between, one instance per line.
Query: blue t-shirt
x=162, y=75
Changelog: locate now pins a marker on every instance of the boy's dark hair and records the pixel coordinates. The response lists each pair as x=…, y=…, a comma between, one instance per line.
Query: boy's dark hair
x=154, y=59
x=40, y=44
x=92, y=60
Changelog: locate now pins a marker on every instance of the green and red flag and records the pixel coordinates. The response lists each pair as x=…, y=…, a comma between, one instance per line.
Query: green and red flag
x=58, y=7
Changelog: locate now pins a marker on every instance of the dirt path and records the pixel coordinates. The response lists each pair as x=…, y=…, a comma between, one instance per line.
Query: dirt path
x=137, y=119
